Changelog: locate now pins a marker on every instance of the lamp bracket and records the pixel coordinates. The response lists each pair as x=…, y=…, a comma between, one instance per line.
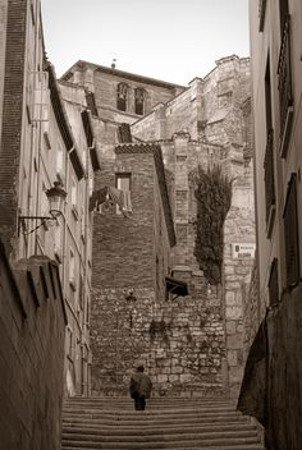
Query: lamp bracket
x=42, y=218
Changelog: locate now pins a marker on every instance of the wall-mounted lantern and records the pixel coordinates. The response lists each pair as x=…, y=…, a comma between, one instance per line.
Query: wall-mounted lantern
x=56, y=196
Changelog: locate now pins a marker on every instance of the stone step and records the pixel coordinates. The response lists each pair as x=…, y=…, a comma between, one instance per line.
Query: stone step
x=150, y=407
x=144, y=417
x=158, y=402
x=153, y=429
x=237, y=443
x=92, y=409
x=92, y=424
x=147, y=433
x=187, y=447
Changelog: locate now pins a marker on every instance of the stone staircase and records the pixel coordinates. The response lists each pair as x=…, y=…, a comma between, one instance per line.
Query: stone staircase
x=177, y=424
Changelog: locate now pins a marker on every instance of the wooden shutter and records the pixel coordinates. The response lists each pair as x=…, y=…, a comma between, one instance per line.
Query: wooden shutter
x=290, y=218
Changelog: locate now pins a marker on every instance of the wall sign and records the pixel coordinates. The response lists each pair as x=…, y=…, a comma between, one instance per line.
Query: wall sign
x=243, y=250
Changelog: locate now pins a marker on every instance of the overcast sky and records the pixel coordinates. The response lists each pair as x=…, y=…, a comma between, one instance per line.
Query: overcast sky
x=172, y=40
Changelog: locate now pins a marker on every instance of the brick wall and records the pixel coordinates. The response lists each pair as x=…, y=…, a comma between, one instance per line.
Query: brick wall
x=3, y=17
x=32, y=323
x=12, y=117
x=123, y=249
x=129, y=254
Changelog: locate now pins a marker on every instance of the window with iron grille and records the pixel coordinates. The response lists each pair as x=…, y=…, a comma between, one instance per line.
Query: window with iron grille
x=122, y=96
x=261, y=10
x=139, y=101
x=291, y=237
x=273, y=284
x=285, y=84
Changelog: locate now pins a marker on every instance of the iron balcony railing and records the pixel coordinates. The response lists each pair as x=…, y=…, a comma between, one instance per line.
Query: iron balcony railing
x=269, y=179
x=284, y=84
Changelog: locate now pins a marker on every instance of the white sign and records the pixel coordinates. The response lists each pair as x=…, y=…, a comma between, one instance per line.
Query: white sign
x=245, y=250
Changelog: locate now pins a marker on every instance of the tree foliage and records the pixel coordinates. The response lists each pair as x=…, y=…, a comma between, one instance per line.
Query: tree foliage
x=213, y=194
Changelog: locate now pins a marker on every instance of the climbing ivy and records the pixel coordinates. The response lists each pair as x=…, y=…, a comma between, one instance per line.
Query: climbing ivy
x=213, y=194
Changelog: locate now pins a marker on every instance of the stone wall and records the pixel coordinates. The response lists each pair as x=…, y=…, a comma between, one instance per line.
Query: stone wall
x=187, y=341
x=181, y=342
x=119, y=336
x=239, y=229
x=32, y=324
x=251, y=309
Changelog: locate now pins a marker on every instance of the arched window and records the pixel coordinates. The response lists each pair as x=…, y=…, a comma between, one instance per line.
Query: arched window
x=139, y=101
x=122, y=96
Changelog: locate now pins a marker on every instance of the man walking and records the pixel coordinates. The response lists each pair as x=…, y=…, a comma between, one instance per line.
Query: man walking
x=140, y=388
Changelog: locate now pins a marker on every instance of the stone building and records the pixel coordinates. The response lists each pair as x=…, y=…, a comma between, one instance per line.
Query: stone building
x=208, y=125
x=45, y=244
x=131, y=258
x=117, y=95
x=203, y=126
x=275, y=29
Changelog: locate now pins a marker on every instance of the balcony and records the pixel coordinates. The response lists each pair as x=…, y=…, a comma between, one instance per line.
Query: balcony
x=269, y=181
x=285, y=88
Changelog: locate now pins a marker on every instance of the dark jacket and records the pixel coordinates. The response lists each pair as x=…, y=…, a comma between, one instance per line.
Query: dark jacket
x=140, y=385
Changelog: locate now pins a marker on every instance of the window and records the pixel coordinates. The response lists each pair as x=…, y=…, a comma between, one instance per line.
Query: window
x=123, y=182
x=71, y=267
x=262, y=7
x=60, y=162
x=74, y=192
x=269, y=178
x=284, y=79
x=139, y=101
x=273, y=284
x=291, y=236
x=124, y=133
x=157, y=277
x=283, y=11
x=122, y=96
x=91, y=104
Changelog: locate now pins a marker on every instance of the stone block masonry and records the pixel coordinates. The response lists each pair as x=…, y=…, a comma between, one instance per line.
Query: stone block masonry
x=180, y=342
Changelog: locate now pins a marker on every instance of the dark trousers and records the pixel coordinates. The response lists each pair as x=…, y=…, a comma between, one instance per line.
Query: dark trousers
x=140, y=403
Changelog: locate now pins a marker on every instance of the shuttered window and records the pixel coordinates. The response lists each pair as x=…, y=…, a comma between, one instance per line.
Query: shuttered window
x=269, y=178
x=285, y=85
x=290, y=218
x=261, y=10
x=273, y=284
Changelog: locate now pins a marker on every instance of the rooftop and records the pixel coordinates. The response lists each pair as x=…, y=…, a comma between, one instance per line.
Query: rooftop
x=81, y=64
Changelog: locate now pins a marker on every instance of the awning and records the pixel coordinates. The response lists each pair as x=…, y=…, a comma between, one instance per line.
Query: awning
x=176, y=287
